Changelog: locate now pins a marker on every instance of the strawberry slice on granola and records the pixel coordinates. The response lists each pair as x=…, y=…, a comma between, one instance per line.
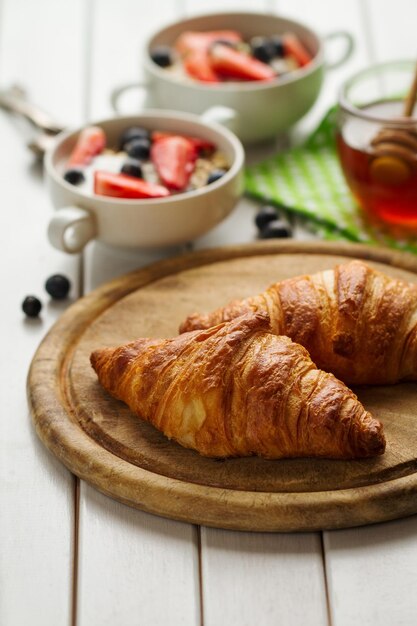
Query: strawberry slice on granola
x=230, y=63
x=174, y=160
x=200, y=144
x=91, y=141
x=194, y=48
x=123, y=186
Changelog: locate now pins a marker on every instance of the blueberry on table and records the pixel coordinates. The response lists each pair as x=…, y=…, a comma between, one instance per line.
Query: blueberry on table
x=74, y=176
x=276, y=229
x=161, y=55
x=265, y=215
x=58, y=286
x=138, y=148
x=133, y=132
x=132, y=167
x=215, y=175
x=262, y=49
x=31, y=306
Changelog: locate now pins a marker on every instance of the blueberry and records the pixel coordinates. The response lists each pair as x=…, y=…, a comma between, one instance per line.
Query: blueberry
x=265, y=215
x=215, y=175
x=134, y=132
x=276, y=229
x=161, y=55
x=58, y=286
x=31, y=305
x=278, y=45
x=132, y=167
x=74, y=176
x=138, y=148
x=262, y=49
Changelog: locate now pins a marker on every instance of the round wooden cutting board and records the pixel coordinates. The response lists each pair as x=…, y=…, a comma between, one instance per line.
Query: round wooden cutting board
x=102, y=442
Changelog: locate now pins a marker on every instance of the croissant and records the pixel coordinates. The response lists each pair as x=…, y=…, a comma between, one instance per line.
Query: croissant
x=355, y=322
x=238, y=390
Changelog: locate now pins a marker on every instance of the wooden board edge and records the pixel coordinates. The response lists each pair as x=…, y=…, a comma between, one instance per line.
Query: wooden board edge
x=238, y=510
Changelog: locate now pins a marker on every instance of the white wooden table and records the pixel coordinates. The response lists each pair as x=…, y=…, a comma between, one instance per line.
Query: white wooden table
x=69, y=555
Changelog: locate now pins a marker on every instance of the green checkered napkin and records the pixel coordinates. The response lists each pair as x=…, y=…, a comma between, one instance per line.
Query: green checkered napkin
x=308, y=181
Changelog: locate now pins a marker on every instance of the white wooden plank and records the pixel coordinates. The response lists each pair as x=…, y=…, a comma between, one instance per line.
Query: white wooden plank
x=325, y=17
x=372, y=574
x=36, y=492
x=135, y=568
x=259, y=577
x=120, y=31
x=393, y=29
x=256, y=578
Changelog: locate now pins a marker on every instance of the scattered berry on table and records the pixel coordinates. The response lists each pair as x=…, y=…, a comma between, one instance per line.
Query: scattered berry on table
x=133, y=132
x=31, y=306
x=265, y=215
x=132, y=167
x=74, y=176
x=161, y=55
x=58, y=286
x=138, y=148
x=215, y=175
x=276, y=229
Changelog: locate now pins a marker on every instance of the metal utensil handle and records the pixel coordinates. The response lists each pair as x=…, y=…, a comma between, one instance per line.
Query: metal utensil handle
x=14, y=100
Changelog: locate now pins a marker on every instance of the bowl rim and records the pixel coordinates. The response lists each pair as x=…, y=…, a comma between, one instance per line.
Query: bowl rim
x=236, y=86
x=232, y=172
x=346, y=106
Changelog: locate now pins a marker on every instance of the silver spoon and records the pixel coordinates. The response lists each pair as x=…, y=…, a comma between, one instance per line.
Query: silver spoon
x=14, y=100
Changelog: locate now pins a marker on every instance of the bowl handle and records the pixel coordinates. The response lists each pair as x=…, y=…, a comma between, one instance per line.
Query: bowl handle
x=71, y=228
x=349, y=46
x=117, y=92
x=226, y=116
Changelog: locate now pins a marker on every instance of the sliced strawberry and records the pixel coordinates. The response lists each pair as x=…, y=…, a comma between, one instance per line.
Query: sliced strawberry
x=194, y=48
x=174, y=160
x=199, y=143
x=197, y=65
x=194, y=40
x=231, y=63
x=91, y=141
x=293, y=47
x=122, y=186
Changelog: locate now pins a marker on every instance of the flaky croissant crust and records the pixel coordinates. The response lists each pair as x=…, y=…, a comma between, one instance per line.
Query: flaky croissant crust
x=238, y=390
x=356, y=322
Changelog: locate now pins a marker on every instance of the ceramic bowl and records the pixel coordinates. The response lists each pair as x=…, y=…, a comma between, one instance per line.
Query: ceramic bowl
x=154, y=223
x=261, y=109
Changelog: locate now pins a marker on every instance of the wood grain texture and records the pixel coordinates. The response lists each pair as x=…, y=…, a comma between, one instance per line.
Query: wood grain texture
x=372, y=574
x=36, y=491
x=126, y=558
x=259, y=578
x=103, y=443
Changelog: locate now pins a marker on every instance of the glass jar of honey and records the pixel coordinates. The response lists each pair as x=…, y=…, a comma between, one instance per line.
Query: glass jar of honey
x=377, y=144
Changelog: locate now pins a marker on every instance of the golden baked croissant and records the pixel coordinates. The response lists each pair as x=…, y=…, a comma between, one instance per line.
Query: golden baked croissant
x=356, y=322
x=238, y=390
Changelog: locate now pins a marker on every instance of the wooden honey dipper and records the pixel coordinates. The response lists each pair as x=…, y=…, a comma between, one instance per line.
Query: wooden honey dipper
x=395, y=149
